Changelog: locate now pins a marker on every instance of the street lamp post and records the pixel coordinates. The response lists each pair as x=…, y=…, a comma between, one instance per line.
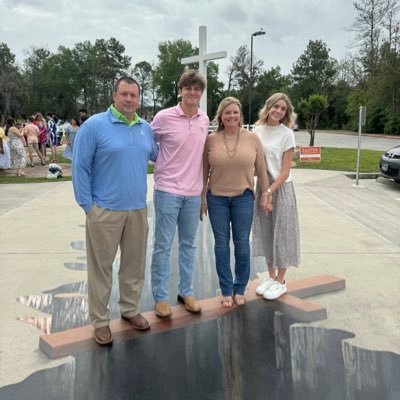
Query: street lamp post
x=258, y=33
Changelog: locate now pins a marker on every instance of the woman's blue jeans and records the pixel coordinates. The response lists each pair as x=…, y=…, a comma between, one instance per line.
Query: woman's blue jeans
x=234, y=213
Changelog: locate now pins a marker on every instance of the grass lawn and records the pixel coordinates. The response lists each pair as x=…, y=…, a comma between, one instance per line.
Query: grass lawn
x=61, y=159
x=331, y=159
x=20, y=179
x=344, y=160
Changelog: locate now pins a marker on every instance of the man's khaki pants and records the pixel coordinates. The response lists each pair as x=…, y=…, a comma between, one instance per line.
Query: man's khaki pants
x=105, y=231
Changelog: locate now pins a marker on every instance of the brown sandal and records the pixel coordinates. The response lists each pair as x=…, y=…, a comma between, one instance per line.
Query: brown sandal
x=227, y=302
x=239, y=299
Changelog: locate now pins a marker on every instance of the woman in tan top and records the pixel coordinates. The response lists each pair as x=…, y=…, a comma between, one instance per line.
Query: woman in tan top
x=231, y=155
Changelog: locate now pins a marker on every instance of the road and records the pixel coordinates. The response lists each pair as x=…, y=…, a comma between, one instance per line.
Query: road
x=347, y=141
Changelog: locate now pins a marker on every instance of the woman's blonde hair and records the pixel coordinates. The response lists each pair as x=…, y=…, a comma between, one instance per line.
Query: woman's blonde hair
x=227, y=101
x=289, y=117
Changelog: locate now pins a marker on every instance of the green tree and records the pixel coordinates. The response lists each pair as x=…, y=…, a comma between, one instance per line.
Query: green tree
x=169, y=69
x=61, y=86
x=337, y=116
x=268, y=82
x=98, y=66
x=35, y=78
x=214, y=89
x=312, y=108
x=143, y=73
x=377, y=34
x=239, y=70
x=367, y=27
x=153, y=89
x=110, y=63
x=10, y=82
x=356, y=98
x=314, y=71
x=384, y=93
x=239, y=78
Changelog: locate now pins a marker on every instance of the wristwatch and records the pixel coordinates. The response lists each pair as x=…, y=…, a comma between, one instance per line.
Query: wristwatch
x=269, y=191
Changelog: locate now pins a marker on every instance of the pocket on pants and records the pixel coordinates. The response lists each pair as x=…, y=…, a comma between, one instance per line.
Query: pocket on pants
x=94, y=213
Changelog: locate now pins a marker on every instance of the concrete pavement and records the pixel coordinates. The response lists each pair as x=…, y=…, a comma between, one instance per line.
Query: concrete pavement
x=347, y=140
x=347, y=231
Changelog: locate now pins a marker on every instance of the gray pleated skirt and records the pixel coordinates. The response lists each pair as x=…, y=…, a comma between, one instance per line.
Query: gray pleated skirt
x=276, y=236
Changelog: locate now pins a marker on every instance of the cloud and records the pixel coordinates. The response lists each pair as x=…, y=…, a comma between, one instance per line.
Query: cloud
x=140, y=25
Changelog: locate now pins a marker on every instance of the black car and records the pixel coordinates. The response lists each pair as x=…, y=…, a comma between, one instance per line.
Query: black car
x=389, y=163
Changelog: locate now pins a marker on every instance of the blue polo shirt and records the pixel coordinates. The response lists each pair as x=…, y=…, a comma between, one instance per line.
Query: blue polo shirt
x=109, y=163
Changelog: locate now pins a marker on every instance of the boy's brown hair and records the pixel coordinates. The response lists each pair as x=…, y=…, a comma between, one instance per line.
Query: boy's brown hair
x=191, y=77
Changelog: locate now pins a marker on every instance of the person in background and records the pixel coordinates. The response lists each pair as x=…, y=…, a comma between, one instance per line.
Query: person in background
x=31, y=132
x=109, y=175
x=17, y=150
x=5, y=157
x=181, y=132
x=52, y=136
x=70, y=133
x=276, y=236
x=82, y=116
x=40, y=122
x=231, y=155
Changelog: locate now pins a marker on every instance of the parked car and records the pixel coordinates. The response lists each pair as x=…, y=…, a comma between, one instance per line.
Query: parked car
x=389, y=163
x=296, y=127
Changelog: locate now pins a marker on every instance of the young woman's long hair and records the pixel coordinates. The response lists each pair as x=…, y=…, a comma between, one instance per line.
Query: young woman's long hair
x=289, y=117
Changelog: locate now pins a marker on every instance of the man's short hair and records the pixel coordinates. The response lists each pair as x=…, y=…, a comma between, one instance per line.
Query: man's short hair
x=191, y=77
x=50, y=115
x=31, y=119
x=126, y=79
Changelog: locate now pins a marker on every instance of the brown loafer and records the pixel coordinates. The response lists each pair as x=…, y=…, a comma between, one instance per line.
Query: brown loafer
x=103, y=335
x=190, y=303
x=162, y=309
x=138, y=322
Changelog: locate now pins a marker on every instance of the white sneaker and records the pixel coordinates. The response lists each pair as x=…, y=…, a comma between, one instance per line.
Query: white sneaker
x=276, y=290
x=264, y=285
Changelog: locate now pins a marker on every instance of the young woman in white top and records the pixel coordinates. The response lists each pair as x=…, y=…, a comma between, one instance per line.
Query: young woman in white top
x=276, y=234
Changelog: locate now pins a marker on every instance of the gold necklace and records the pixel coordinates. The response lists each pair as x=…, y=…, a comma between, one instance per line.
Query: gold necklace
x=231, y=152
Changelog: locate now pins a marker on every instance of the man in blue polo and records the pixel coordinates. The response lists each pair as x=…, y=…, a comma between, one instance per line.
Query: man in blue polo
x=111, y=153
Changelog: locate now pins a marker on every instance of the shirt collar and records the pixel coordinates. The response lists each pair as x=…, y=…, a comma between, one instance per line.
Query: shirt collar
x=123, y=118
x=181, y=113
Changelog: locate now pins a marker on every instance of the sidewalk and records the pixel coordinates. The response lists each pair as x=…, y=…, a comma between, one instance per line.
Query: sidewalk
x=346, y=231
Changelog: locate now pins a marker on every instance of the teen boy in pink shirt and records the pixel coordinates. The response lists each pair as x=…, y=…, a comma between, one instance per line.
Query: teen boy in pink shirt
x=181, y=132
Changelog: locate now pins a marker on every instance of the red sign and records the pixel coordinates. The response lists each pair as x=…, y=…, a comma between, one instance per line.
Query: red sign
x=310, y=154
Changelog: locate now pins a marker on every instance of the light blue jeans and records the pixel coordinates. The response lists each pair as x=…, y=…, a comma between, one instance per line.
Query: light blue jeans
x=173, y=211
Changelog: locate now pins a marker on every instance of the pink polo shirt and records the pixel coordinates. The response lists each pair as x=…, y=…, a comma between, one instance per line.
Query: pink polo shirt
x=179, y=165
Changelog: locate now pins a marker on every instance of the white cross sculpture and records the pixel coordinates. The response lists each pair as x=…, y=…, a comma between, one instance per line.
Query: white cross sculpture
x=202, y=59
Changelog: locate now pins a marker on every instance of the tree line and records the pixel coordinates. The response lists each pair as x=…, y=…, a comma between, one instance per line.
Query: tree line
x=324, y=90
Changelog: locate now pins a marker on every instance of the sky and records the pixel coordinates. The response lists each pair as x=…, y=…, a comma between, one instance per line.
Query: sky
x=140, y=25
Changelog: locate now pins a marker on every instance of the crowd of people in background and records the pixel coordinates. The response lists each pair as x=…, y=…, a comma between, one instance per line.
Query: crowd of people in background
x=35, y=135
